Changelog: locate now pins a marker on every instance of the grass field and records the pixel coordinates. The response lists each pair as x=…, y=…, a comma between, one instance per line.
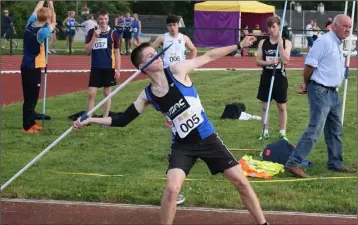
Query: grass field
x=139, y=152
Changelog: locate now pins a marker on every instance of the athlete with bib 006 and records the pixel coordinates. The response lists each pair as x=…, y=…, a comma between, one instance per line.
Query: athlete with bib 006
x=177, y=52
x=193, y=135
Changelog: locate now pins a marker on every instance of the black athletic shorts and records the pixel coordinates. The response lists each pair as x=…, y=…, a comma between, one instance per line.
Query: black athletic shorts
x=211, y=150
x=279, y=89
x=102, y=77
x=127, y=34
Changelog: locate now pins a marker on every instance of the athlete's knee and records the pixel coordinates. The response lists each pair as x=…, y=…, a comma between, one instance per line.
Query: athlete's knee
x=281, y=108
x=107, y=91
x=92, y=93
x=172, y=190
x=237, y=178
x=264, y=106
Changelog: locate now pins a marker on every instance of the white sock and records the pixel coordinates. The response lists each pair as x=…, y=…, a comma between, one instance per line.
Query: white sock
x=282, y=131
x=265, y=131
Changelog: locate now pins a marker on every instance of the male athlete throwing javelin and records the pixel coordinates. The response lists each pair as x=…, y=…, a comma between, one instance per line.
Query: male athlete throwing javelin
x=172, y=93
x=103, y=44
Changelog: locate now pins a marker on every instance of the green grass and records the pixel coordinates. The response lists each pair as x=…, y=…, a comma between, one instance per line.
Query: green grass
x=139, y=151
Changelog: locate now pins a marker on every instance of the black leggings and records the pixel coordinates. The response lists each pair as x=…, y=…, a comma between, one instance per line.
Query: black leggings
x=31, y=81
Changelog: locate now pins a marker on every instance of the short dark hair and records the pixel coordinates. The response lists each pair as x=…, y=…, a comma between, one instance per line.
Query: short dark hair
x=136, y=55
x=172, y=19
x=272, y=20
x=102, y=12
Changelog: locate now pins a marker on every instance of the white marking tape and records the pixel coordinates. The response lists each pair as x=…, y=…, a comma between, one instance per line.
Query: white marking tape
x=133, y=70
x=199, y=209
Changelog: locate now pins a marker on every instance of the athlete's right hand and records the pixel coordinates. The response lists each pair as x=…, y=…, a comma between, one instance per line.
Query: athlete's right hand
x=273, y=61
x=97, y=31
x=79, y=125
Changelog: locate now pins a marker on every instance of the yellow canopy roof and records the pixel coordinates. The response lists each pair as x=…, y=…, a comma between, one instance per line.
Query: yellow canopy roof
x=235, y=6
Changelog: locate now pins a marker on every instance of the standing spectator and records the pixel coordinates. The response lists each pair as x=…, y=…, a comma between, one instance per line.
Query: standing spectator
x=328, y=24
x=323, y=74
x=70, y=23
x=315, y=30
x=119, y=26
x=7, y=29
x=38, y=27
x=309, y=34
x=103, y=44
x=89, y=24
x=53, y=40
x=137, y=29
x=127, y=33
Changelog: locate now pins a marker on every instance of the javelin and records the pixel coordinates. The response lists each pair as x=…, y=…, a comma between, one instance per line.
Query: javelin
x=273, y=76
x=83, y=117
x=348, y=61
x=45, y=83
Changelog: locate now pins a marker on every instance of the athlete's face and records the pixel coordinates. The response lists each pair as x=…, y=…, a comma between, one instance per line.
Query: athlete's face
x=274, y=30
x=103, y=20
x=173, y=28
x=147, y=55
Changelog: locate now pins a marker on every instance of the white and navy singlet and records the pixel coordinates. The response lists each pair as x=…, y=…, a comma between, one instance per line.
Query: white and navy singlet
x=182, y=106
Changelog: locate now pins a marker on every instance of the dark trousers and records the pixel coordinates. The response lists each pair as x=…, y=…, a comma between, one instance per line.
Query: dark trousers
x=31, y=81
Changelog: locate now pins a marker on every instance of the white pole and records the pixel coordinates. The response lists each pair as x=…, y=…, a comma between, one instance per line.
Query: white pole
x=345, y=8
x=82, y=118
x=347, y=64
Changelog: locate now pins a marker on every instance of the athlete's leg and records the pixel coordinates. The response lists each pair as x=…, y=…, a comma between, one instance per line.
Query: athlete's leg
x=282, y=118
x=107, y=104
x=175, y=180
x=247, y=194
x=263, y=113
x=92, y=92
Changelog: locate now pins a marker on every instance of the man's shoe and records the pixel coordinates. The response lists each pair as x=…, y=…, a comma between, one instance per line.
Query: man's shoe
x=180, y=199
x=345, y=170
x=296, y=171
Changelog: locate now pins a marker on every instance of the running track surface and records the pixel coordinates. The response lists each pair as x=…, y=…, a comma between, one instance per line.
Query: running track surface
x=62, y=83
x=53, y=212
x=17, y=212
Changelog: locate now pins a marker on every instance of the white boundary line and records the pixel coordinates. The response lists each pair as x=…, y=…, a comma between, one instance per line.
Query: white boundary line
x=134, y=70
x=199, y=209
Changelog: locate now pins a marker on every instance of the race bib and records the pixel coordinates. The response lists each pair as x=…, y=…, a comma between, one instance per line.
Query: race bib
x=269, y=58
x=188, y=121
x=173, y=57
x=135, y=29
x=101, y=43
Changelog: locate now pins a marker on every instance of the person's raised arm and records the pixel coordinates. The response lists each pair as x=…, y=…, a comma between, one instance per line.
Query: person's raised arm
x=120, y=119
x=186, y=66
x=92, y=35
x=52, y=25
x=39, y=5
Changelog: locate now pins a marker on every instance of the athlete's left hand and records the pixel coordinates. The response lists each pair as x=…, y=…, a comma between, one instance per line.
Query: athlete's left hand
x=247, y=41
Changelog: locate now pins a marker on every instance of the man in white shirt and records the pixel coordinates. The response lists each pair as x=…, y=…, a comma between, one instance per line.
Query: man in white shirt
x=309, y=34
x=323, y=74
x=89, y=24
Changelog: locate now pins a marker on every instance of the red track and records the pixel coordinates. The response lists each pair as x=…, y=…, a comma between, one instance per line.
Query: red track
x=65, y=213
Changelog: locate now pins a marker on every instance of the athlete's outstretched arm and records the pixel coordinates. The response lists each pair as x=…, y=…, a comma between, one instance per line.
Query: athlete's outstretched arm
x=118, y=120
x=186, y=66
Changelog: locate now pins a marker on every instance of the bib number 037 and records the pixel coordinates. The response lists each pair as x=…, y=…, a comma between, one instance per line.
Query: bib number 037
x=189, y=124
